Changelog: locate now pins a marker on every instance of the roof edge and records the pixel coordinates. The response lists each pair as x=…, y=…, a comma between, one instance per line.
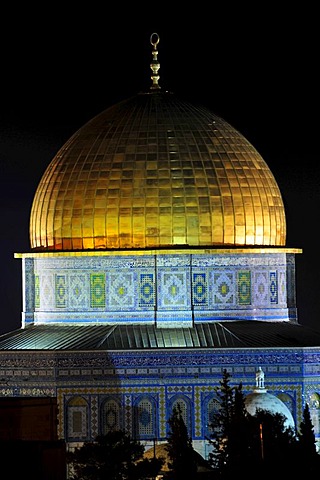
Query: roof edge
x=158, y=251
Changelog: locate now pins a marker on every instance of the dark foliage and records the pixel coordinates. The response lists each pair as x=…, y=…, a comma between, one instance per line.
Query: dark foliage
x=221, y=423
x=307, y=452
x=272, y=444
x=306, y=435
x=243, y=445
x=246, y=444
x=114, y=456
x=182, y=457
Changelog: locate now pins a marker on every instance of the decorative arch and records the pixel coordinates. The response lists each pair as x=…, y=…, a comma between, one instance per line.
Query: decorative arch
x=77, y=419
x=144, y=415
x=111, y=415
x=186, y=410
x=211, y=407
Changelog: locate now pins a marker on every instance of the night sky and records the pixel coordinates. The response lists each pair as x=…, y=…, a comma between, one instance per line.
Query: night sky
x=255, y=67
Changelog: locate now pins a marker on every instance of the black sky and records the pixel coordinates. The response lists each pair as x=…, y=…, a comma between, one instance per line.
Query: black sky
x=257, y=67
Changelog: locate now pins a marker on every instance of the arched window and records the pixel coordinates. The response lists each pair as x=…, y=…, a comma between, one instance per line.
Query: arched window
x=213, y=407
x=185, y=409
x=145, y=427
x=77, y=419
x=111, y=416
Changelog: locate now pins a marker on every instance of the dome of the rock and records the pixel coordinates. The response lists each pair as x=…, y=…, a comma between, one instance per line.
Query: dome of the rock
x=157, y=262
x=156, y=171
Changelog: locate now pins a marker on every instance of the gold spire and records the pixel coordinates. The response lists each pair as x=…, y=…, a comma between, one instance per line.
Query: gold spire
x=155, y=65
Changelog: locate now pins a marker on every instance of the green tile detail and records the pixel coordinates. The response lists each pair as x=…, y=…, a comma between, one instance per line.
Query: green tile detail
x=244, y=287
x=97, y=290
x=60, y=291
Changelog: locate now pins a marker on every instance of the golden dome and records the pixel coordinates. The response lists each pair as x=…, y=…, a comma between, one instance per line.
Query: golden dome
x=156, y=171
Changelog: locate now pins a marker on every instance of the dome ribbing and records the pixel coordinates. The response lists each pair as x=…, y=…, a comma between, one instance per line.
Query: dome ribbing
x=155, y=171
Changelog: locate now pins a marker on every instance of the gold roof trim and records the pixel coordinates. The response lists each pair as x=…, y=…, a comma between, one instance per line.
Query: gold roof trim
x=178, y=251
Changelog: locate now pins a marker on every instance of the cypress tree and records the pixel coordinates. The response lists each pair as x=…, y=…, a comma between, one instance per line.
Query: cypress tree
x=309, y=459
x=221, y=423
x=307, y=440
x=182, y=459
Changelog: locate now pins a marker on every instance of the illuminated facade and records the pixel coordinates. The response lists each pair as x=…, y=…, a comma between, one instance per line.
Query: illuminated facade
x=158, y=258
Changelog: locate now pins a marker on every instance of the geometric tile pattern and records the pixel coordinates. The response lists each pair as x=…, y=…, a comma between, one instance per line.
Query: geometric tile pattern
x=127, y=412
x=282, y=287
x=260, y=288
x=162, y=418
x=29, y=287
x=173, y=290
x=223, y=288
x=111, y=415
x=145, y=419
x=273, y=287
x=244, y=288
x=135, y=287
x=78, y=292
x=94, y=421
x=197, y=412
x=146, y=290
x=47, y=293
x=36, y=291
x=97, y=290
x=77, y=418
x=137, y=390
x=121, y=291
x=146, y=408
x=76, y=422
x=60, y=291
x=200, y=289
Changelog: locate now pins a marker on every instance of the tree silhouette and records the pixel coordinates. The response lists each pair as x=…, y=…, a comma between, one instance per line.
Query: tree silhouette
x=238, y=445
x=247, y=444
x=310, y=459
x=221, y=423
x=306, y=435
x=182, y=457
x=273, y=444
